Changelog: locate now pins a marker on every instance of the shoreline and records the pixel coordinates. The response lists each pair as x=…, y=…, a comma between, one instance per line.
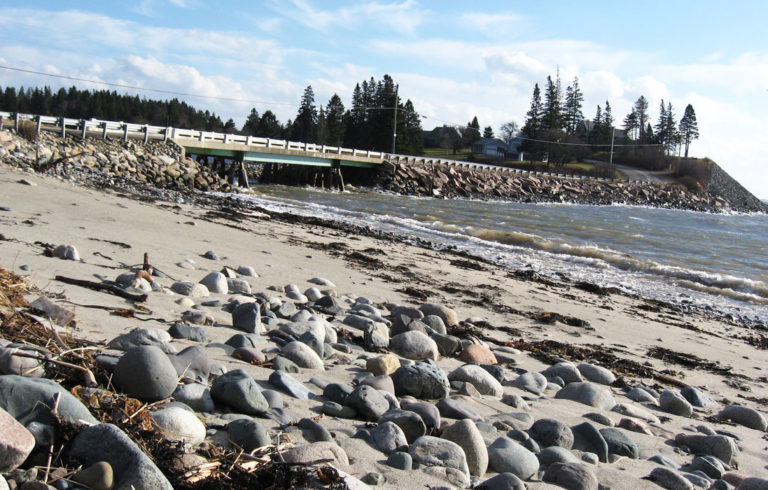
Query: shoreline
x=528, y=322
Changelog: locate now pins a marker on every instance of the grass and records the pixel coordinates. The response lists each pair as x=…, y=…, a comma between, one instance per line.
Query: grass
x=447, y=153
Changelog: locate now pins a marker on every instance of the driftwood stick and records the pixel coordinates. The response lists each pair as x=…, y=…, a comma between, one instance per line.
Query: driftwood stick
x=55, y=413
x=90, y=379
x=97, y=286
x=669, y=380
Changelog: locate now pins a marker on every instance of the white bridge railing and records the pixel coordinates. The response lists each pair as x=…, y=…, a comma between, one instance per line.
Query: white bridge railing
x=147, y=132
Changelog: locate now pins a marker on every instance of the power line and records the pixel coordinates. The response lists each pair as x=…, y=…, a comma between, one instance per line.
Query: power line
x=136, y=87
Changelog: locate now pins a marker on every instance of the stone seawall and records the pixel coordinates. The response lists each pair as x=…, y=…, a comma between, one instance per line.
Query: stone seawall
x=722, y=184
x=449, y=182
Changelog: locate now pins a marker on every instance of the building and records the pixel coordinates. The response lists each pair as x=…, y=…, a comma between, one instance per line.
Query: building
x=490, y=146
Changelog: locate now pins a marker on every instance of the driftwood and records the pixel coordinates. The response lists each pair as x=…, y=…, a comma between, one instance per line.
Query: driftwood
x=98, y=286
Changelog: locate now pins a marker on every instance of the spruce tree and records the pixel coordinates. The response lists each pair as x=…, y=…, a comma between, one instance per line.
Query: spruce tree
x=305, y=124
x=552, y=111
x=269, y=126
x=488, y=132
x=689, y=128
x=572, y=114
x=334, y=117
x=251, y=125
x=533, y=125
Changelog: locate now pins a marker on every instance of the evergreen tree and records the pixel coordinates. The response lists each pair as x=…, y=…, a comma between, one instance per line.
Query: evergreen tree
x=322, y=127
x=251, y=125
x=355, y=135
x=334, y=117
x=643, y=122
x=552, y=110
x=574, y=99
x=597, y=126
x=305, y=124
x=666, y=130
x=269, y=126
x=471, y=133
x=410, y=136
x=488, y=132
x=533, y=117
x=631, y=124
x=689, y=128
x=607, y=116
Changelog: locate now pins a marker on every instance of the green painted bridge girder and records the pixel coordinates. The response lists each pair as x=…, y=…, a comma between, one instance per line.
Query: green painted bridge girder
x=264, y=157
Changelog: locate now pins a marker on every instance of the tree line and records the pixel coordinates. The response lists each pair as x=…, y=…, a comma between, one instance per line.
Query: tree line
x=368, y=124
x=555, y=126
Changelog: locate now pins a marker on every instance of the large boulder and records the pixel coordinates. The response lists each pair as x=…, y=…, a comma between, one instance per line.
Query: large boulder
x=414, y=345
x=145, y=373
x=478, y=377
x=237, y=390
x=424, y=380
x=15, y=445
x=31, y=400
x=433, y=451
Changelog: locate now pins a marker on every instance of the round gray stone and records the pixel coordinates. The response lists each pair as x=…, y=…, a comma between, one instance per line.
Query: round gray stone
x=619, y=443
x=196, y=396
x=387, y=437
x=551, y=432
x=596, y=374
x=507, y=456
x=669, y=479
x=216, y=282
x=532, y=382
x=696, y=397
x=556, y=454
x=565, y=371
x=410, y=422
x=748, y=417
x=368, y=402
x=239, y=391
x=423, y=380
x=433, y=451
x=466, y=434
x=588, y=393
x=400, y=460
x=502, y=481
x=302, y=355
x=414, y=345
x=478, y=377
x=674, y=403
x=145, y=373
x=571, y=475
x=248, y=434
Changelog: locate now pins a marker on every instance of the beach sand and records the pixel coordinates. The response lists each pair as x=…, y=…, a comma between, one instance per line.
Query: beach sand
x=112, y=230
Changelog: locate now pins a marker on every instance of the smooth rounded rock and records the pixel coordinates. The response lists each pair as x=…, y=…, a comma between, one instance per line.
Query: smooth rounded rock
x=178, y=424
x=502, y=481
x=669, y=479
x=387, y=437
x=239, y=391
x=719, y=446
x=247, y=317
x=478, y=377
x=551, y=432
x=315, y=451
x=410, y=422
x=507, y=456
x=466, y=434
x=478, y=354
x=421, y=380
x=414, y=345
x=565, y=371
x=447, y=315
x=368, y=402
x=588, y=393
x=457, y=409
x=145, y=373
x=16, y=442
x=191, y=289
x=531, y=381
x=192, y=363
x=400, y=460
x=428, y=412
x=619, y=443
x=216, y=282
x=571, y=475
x=640, y=395
x=596, y=374
x=674, y=403
x=433, y=451
x=196, y=396
x=748, y=417
x=586, y=437
x=248, y=434
x=696, y=397
x=302, y=355
x=384, y=364
x=98, y=476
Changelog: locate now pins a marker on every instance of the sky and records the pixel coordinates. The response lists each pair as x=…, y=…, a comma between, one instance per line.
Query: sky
x=454, y=60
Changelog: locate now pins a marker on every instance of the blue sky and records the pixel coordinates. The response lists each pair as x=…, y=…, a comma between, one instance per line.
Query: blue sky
x=453, y=59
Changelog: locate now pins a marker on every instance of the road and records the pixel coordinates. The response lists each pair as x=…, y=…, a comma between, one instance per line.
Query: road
x=632, y=173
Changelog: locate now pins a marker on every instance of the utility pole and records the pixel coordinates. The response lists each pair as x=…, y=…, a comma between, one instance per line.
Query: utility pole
x=610, y=160
x=394, y=126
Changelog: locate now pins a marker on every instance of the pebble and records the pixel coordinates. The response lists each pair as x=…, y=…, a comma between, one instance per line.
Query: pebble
x=369, y=402
x=248, y=434
x=571, y=475
x=433, y=451
x=481, y=379
x=316, y=431
x=719, y=446
x=414, y=345
x=619, y=443
x=423, y=380
x=247, y=270
x=596, y=374
x=696, y=397
x=322, y=282
x=316, y=451
x=191, y=289
x=238, y=286
x=565, y=371
x=588, y=393
x=753, y=483
x=383, y=364
x=12, y=362
x=640, y=395
x=145, y=373
x=457, y=409
x=673, y=402
x=98, y=476
x=531, y=381
x=244, y=340
x=586, y=437
x=198, y=317
x=196, y=396
x=131, y=467
x=283, y=380
x=515, y=401
x=748, y=417
x=710, y=465
x=211, y=255
x=387, y=437
x=373, y=478
x=302, y=355
x=551, y=432
x=16, y=444
x=478, y=354
x=600, y=418
x=502, y=481
x=281, y=363
x=247, y=317
x=66, y=252
x=27, y=399
x=334, y=409
x=236, y=389
x=428, y=412
x=669, y=479
x=178, y=424
x=181, y=330
x=410, y=422
x=447, y=315
x=400, y=460
x=466, y=434
x=507, y=456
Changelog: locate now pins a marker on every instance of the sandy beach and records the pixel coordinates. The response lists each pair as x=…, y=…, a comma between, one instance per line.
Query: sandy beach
x=524, y=320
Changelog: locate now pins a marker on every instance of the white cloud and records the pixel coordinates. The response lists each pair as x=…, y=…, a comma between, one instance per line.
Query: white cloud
x=483, y=21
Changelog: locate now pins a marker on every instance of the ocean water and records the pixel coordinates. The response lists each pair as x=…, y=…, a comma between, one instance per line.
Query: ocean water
x=714, y=260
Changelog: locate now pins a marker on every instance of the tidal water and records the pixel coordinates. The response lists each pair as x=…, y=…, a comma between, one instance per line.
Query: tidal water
x=708, y=260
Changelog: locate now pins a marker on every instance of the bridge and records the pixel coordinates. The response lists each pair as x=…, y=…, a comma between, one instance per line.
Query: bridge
x=240, y=149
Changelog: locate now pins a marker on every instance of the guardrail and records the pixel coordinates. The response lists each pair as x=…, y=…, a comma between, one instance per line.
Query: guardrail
x=147, y=132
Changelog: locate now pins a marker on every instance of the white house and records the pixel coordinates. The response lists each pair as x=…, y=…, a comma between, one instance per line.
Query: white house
x=489, y=146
